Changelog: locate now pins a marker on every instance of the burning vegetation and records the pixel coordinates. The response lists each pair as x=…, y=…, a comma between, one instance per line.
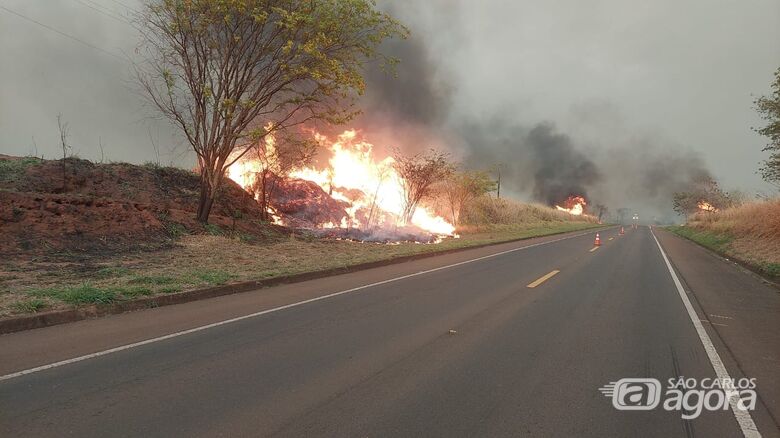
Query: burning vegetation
x=706, y=206
x=574, y=205
x=357, y=195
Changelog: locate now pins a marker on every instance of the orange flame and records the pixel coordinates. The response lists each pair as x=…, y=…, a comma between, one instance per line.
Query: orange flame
x=574, y=205
x=244, y=172
x=706, y=206
x=352, y=169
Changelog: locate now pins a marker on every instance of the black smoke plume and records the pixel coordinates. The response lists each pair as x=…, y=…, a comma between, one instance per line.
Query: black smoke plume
x=539, y=161
x=414, y=110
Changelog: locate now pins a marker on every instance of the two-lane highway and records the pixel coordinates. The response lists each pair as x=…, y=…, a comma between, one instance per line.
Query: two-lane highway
x=513, y=340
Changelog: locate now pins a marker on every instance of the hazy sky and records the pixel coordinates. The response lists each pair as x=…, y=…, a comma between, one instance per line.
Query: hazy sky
x=604, y=72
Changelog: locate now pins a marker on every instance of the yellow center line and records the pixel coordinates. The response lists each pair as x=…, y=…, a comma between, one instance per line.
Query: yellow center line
x=543, y=279
x=593, y=249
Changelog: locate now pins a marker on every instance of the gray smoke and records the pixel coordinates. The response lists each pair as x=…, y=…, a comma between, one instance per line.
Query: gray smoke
x=537, y=160
x=415, y=93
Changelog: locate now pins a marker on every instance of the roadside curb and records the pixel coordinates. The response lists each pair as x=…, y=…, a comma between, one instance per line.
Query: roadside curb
x=55, y=317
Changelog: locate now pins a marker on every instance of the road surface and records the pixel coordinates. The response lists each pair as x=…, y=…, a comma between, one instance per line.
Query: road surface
x=485, y=342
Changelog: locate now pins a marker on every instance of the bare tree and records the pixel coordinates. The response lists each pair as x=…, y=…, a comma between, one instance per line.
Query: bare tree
x=460, y=188
x=418, y=173
x=64, y=134
x=373, y=210
x=228, y=73
x=102, y=154
x=601, y=210
x=154, y=146
x=277, y=160
x=703, y=195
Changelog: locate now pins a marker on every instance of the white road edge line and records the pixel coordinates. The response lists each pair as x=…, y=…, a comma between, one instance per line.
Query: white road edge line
x=264, y=312
x=745, y=421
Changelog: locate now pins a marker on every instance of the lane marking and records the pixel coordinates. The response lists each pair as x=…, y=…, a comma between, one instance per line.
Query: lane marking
x=713, y=323
x=272, y=310
x=593, y=249
x=544, y=278
x=745, y=421
x=611, y=238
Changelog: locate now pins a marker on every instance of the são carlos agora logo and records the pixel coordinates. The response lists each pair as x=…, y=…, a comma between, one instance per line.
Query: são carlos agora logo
x=689, y=396
x=633, y=394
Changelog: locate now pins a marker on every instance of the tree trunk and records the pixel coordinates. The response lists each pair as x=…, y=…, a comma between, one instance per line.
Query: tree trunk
x=264, y=196
x=206, y=200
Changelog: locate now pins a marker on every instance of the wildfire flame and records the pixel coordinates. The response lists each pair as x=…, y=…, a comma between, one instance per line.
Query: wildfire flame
x=371, y=187
x=574, y=205
x=245, y=171
x=706, y=206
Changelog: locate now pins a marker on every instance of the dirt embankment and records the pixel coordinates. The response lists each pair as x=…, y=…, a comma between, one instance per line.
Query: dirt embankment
x=79, y=206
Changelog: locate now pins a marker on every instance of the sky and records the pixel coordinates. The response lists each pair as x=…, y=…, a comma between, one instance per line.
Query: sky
x=607, y=78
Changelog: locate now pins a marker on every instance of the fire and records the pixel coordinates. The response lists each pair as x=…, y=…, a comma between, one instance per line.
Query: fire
x=574, y=205
x=244, y=173
x=706, y=206
x=370, y=186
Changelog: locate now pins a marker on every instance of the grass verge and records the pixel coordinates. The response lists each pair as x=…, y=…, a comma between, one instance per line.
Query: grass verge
x=723, y=243
x=211, y=260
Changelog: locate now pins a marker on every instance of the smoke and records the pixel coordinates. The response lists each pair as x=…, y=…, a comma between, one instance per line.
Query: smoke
x=415, y=93
x=647, y=173
x=537, y=160
x=621, y=169
x=475, y=78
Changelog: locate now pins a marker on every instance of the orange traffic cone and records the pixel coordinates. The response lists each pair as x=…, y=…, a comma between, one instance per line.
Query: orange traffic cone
x=598, y=240
x=622, y=231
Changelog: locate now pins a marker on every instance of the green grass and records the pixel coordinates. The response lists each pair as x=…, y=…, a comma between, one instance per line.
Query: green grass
x=81, y=294
x=772, y=269
x=170, y=289
x=721, y=243
x=29, y=306
x=152, y=280
x=132, y=291
x=87, y=293
x=13, y=170
x=214, y=278
x=175, y=229
x=213, y=230
x=112, y=272
x=717, y=242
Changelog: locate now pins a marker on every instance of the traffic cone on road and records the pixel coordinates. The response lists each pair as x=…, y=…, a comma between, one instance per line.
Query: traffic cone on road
x=598, y=240
x=622, y=231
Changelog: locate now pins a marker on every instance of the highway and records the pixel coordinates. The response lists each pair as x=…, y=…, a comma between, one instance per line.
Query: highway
x=484, y=342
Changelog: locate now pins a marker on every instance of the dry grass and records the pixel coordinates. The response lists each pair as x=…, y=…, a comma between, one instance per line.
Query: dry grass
x=205, y=260
x=749, y=232
x=489, y=212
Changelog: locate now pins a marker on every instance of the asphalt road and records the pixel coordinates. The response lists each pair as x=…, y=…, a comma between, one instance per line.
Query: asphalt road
x=416, y=349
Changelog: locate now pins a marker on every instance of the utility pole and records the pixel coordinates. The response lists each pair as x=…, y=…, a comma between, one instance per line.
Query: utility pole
x=498, y=185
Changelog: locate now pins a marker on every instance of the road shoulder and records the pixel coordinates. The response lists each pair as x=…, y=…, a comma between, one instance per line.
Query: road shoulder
x=739, y=309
